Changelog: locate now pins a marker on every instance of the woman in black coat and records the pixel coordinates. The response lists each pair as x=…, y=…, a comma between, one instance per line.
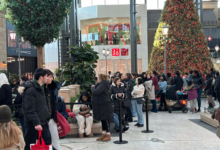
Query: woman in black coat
x=178, y=81
x=5, y=91
x=117, y=92
x=208, y=90
x=104, y=110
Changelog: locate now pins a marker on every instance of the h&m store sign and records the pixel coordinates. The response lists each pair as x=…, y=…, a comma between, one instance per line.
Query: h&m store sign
x=116, y=52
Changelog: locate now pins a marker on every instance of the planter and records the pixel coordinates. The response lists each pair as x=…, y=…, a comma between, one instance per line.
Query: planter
x=96, y=129
x=77, y=88
x=206, y=117
x=65, y=92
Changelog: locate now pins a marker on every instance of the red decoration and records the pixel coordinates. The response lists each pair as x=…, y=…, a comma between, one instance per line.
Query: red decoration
x=209, y=38
x=124, y=51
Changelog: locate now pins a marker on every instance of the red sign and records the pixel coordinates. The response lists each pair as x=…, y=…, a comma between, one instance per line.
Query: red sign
x=124, y=51
x=115, y=52
x=209, y=38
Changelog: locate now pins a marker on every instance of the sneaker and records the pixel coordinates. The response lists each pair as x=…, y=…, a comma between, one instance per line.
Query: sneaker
x=153, y=112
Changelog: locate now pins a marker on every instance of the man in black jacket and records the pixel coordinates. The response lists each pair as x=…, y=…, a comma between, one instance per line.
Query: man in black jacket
x=178, y=81
x=50, y=93
x=36, y=113
x=217, y=86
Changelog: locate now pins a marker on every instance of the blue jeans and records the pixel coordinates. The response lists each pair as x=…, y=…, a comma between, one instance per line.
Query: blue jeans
x=199, y=92
x=133, y=109
x=140, y=115
x=23, y=125
x=116, y=121
x=154, y=106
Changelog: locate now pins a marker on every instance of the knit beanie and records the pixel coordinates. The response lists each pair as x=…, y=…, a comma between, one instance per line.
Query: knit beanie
x=5, y=113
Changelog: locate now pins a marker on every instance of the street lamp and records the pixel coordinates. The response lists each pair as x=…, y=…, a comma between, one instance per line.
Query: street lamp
x=13, y=37
x=106, y=54
x=165, y=30
x=217, y=48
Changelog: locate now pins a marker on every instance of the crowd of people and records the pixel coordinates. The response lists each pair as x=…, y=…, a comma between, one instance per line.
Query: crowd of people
x=37, y=98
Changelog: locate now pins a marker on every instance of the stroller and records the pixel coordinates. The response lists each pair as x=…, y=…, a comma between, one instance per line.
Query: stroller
x=176, y=101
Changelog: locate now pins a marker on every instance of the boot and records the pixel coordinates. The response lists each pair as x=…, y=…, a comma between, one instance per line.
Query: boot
x=101, y=137
x=160, y=108
x=198, y=110
x=80, y=135
x=90, y=135
x=107, y=138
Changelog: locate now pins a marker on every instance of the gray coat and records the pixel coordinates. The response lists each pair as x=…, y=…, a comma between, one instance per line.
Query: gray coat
x=100, y=94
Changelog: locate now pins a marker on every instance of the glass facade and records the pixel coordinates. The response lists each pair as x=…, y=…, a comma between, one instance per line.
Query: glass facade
x=108, y=31
x=86, y=3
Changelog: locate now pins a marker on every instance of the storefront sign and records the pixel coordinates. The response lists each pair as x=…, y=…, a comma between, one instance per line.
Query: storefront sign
x=209, y=38
x=124, y=51
x=115, y=52
x=12, y=51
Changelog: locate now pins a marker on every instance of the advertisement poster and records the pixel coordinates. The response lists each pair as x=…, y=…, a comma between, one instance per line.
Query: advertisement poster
x=124, y=51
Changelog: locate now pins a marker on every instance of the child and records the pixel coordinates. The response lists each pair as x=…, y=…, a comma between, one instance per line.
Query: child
x=192, y=95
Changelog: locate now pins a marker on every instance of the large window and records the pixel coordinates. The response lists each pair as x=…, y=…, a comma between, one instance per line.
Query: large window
x=86, y=3
x=108, y=31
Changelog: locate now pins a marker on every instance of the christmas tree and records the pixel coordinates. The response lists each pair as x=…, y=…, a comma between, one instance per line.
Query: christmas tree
x=186, y=42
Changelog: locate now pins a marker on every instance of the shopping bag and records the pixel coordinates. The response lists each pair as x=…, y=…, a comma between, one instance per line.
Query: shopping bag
x=184, y=102
x=62, y=125
x=42, y=145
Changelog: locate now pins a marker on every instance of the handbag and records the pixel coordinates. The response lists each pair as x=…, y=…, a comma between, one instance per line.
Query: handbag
x=63, y=126
x=140, y=101
x=84, y=112
x=40, y=144
x=218, y=132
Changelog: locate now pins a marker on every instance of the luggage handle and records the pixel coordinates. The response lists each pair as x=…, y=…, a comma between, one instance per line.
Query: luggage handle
x=42, y=141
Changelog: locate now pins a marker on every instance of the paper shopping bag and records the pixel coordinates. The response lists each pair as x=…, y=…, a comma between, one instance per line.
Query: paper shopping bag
x=40, y=145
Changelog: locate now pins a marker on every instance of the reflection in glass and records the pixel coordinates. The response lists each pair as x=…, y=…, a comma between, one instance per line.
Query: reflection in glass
x=105, y=31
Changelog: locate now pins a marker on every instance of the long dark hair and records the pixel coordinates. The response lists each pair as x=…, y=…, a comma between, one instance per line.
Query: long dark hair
x=89, y=99
x=129, y=76
x=164, y=77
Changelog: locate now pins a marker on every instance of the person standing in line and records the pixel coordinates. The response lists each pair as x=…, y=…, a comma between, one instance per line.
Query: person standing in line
x=36, y=113
x=103, y=112
x=178, y=81
x=109, y=75
x=217, y=86
x=138, y=92
x=163, y=85
x=5, y=91
x=208, y=90
x=144, y=76
x=117, y=92
x=50, y=88
x=18, y=100
x=155, y=81
x=169, y=79
x=129, y=89
x=150, y=93
x=11, y=137
x=190, y=75
x=185, y=80
x=133, y=110
x=213, y=86
x=198, y=81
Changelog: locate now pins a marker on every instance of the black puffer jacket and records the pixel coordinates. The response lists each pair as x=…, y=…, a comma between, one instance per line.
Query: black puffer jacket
x=208, y=87
x=178, y=81
x=34, y=104
x=100, y=95
x=217, y=84
x=113, y=93
x=50, y=93
x=6, y=95
x=129, y=88
x=198, y=81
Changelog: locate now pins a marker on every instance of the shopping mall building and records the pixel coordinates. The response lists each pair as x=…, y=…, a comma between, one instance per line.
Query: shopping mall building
x=106, y=25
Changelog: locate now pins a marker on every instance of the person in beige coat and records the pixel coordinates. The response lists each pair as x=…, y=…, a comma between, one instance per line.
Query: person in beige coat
x=150, y=92
x=84, y=115
x=11, y=137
